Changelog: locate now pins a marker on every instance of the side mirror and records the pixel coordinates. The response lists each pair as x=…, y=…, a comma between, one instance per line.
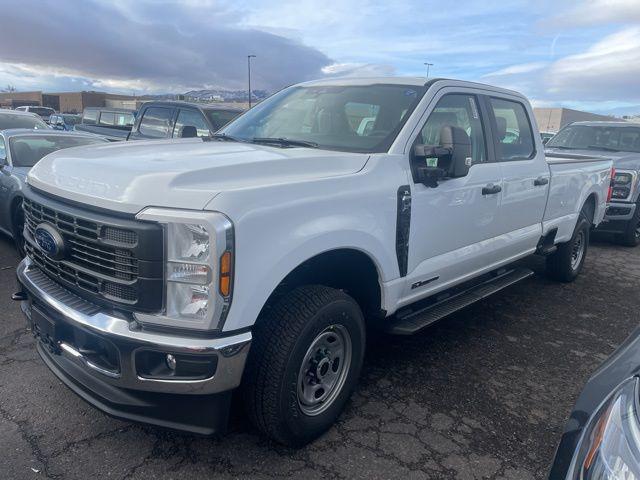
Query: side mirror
x=3, y=163
x=188, y=131
x=453, y=157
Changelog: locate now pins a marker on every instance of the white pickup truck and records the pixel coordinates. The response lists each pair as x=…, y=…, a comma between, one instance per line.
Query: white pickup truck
x=162, y=275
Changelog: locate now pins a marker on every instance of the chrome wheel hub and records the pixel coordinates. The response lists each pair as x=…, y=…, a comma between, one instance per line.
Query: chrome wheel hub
x=577, y=251
x=324, y=370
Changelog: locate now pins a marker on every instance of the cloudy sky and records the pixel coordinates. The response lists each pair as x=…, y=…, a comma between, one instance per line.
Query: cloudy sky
x=577, y=53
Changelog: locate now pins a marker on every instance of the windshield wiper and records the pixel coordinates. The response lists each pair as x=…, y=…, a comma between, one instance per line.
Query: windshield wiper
x=225, y=137
x=600, y=147
x=285, y=142
x=561, y=147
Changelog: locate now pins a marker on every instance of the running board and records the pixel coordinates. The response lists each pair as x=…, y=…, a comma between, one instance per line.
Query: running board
x=414, y=321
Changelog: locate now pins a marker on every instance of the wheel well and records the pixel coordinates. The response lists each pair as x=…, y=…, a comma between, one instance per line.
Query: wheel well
x=348, y=270
x=589, y=207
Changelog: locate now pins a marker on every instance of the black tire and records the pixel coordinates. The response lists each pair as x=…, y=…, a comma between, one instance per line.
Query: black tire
x=567, y=262
x=631, y=236
x=18, y=227
x=282, y=340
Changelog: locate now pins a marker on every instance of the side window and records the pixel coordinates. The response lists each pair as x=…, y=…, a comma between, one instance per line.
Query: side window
x=192, y=118
x=156, y=122
x=107, y=118
x=514, y=132
x=456, y=110
x=89, y=117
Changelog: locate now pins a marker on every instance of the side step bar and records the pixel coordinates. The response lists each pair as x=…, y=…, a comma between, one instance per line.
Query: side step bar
x=414, y=321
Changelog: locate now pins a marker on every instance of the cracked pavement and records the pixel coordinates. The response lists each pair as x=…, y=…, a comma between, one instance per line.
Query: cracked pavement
x=483, y=394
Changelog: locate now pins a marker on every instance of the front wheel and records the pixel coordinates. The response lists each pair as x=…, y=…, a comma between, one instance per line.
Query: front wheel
x=567, y=262
x=631, y=236
x=304, y=364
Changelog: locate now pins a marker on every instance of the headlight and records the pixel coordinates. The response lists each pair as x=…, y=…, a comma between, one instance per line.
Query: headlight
x=609, y=448
x=198, y=270
x=622, y=185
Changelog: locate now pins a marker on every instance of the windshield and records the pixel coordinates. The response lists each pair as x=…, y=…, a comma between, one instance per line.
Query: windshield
x=607, y=138
x=219, y=118
x=348, y=118
x=20, y=121
x=26, y=151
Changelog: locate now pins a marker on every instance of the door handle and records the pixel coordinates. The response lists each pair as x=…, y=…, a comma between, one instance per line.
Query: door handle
x=540, y=181
x=491, y=189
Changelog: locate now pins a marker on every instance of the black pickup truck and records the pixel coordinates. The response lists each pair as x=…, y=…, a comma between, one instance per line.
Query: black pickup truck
x=114, y=124
x=168, y=119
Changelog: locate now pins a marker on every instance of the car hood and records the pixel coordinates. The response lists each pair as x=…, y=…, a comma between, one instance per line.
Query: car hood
x=621, y=160
x=128, y=177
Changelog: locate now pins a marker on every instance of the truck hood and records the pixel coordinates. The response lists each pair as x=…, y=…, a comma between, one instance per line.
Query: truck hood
x=621, y=160
x=128, y=177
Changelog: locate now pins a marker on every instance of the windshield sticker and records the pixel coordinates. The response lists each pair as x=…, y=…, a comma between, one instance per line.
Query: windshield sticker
x=410, y=93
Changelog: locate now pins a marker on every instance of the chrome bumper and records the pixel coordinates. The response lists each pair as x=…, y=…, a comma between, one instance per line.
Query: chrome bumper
x=231, y=351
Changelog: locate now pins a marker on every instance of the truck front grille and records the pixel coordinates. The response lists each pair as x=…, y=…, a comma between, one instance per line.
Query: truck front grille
x=117, y=261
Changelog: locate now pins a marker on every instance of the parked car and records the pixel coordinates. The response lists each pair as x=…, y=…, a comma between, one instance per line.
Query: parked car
x=546, y=136
x=114, y=124
x=619, y=141
x=261, y=257
x=602, y=436
x=64, y=121
x=42, y=112
x=21, y=149
x=168, y=119
x=18, y=119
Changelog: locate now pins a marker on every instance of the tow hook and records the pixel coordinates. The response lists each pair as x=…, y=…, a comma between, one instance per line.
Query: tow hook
x=19, y=296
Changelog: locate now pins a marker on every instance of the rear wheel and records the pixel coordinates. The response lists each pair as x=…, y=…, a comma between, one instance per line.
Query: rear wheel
x=567, y=262
x=304, y=364
x=631, y=236
x=18, y=230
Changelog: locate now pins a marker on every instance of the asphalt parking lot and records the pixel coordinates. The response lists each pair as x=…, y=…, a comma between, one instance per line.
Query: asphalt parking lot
x=483, y=394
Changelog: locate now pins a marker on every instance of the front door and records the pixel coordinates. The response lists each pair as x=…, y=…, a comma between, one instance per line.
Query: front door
x=453, y=226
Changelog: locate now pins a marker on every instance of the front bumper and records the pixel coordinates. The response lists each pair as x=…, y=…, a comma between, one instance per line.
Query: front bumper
x=617, y=218
x=123, y=386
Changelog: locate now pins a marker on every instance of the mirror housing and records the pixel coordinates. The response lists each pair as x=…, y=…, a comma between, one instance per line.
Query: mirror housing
x=453, y=155
x=3, y=164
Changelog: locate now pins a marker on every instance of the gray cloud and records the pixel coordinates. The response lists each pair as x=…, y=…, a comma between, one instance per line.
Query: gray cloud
x=160, y=46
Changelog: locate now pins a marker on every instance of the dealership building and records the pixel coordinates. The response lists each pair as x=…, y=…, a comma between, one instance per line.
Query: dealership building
x=68, y=102
x=553, y=119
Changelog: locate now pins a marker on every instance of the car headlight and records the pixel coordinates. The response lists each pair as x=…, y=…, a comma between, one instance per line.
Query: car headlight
x=610, y=445
x=198, y=269
x=622, y=185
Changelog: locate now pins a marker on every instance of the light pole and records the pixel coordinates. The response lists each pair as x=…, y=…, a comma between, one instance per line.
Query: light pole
x=428, y=65
x=249, y=57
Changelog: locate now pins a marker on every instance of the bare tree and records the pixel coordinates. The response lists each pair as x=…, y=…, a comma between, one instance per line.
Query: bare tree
x=9, y=88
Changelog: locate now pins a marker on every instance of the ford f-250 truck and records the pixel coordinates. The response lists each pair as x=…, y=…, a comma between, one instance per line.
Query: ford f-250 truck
x=162, y=275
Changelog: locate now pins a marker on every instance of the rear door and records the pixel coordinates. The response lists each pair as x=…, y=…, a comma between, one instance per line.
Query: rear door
x=526, y=176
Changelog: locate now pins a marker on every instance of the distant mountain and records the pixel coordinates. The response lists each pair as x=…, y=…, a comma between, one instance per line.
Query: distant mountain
x=212, y=95
x=225, y=95
x=633, y=110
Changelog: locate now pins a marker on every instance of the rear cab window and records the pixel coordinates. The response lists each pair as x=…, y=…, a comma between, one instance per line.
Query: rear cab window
x=192, y=118
x=156, y=122
x=514, y=133
x=89, y=117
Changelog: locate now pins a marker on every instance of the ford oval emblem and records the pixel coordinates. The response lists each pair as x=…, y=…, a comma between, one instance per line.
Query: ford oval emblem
x=49, y=240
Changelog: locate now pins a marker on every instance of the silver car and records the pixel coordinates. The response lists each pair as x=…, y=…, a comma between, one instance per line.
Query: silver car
x=21, y=149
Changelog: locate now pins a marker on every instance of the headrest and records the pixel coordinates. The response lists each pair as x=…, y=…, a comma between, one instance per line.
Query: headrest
x=501, y=124
x=188, y=131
